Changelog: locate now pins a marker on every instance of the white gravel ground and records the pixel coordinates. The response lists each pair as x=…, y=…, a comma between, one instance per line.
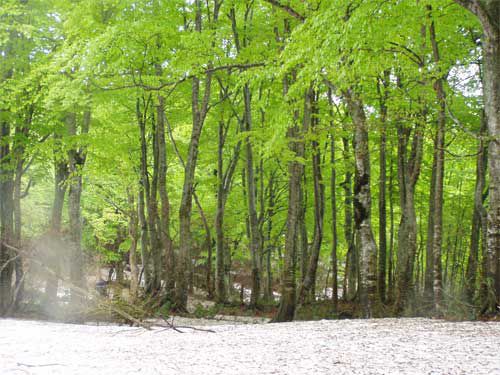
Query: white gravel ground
x=385, y=346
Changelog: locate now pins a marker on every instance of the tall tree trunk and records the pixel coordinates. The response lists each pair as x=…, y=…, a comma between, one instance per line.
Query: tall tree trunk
x=390, y=265
x=488, y=13
x=199, y=113
x=268, y=290
x=491, y=87
x=220, y=285
x=287, y=305
x=153, y=218
x=438, y=188
x=7, y=220
x=478, y=216
x=21, y=136
x=362, y=207
x=143, y=201
x=429, y=248
x=60, y=176
x=302, y=241
x=382, y=211
x=333, y=204
x=132, y=253
x=255, y=234
x=319, y=202
x=164, y=224
x=409, y=163
x=76, y=159
x=182, y=279
x=351, y=269
x=224, y=181
x=145, y=273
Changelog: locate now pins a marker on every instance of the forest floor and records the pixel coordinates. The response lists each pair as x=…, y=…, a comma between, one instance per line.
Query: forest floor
x=382, y=346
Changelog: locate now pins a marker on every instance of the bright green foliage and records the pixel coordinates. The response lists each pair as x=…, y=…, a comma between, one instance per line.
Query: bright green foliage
x=108, y=55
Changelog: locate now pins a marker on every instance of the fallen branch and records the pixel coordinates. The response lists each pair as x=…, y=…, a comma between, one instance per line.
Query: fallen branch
x=170, y=325
x=42, y=365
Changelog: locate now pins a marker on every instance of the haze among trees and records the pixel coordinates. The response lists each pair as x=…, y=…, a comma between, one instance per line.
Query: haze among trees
x=345, y=151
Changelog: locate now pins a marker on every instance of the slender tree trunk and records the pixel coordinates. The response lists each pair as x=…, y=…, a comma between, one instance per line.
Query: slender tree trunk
x=185, y=209
x=21, y=136
x=199, y=109
x=351, y=269
x=382, y=211
x=224, y=181
x=143, y=202
x=438, y=188
x=287, y=305
x=268, y=290
x=60, y=177
x=164, y=224
x=76, y=159
x=429, y=255
x=145, y=272
x=478, y=215
x=133, y=235
x=409, y=163
x=153, y=218
x=333, y=204
x=255, y=234
x=390, y=265
x=7, y=220
x=319, y=203
x=303, y=241
x=220, y=285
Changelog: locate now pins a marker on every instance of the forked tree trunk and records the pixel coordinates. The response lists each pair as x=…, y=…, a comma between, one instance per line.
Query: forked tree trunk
x=307, y=287
x=409, y=163
x=164, y=222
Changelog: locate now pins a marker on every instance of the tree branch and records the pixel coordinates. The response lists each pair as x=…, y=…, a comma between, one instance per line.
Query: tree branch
x=287, y=9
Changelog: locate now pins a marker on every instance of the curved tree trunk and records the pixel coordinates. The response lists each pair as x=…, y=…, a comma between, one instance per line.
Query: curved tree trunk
x=362, y=207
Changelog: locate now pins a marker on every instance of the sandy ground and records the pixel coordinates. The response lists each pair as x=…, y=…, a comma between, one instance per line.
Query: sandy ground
x=385, y=346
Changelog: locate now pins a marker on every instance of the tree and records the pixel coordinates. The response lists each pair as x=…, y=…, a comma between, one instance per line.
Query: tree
x=488, y=12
